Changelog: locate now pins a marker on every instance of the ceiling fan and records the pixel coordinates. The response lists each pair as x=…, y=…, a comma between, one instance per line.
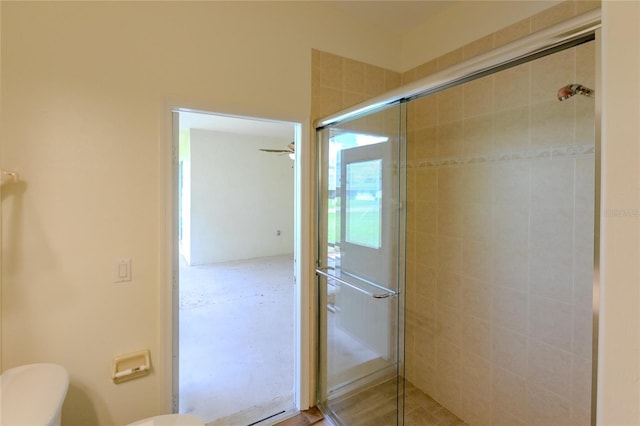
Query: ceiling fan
x=290, y=150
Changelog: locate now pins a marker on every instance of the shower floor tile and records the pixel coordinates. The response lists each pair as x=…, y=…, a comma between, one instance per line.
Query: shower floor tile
x=376, y=407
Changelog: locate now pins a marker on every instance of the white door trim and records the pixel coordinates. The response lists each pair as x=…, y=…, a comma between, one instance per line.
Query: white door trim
x=166, y=359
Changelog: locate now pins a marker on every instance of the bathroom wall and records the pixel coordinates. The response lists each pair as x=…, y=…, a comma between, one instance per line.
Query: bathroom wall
x=500, y=245
x=85, y=90
x=236, y=211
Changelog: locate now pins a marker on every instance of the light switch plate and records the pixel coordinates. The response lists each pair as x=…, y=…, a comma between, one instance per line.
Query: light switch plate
x=123, y=270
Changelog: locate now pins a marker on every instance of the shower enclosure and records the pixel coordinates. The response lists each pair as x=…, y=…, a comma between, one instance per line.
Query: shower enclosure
x=457, y=230
x=361, y=264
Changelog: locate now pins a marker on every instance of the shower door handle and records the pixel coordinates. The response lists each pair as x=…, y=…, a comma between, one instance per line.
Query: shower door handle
x=387, y=293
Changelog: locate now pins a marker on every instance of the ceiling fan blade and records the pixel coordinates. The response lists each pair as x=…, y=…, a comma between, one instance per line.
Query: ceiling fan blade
x=275, y=150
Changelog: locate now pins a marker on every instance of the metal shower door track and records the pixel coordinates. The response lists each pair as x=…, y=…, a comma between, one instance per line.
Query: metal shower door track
x=575, y=31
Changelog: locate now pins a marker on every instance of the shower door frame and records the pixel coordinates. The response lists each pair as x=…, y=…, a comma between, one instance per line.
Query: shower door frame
x=570, y=33
x=377, y=287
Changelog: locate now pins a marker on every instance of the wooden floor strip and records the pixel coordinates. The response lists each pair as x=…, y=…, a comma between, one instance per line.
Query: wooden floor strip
x=307, y=417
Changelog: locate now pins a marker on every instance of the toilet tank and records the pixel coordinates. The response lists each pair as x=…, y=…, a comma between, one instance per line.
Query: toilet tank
x=33, y=395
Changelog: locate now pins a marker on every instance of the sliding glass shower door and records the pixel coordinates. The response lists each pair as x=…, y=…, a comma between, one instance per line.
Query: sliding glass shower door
x=360, y=268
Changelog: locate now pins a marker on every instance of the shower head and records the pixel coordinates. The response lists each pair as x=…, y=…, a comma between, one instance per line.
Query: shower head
x=574, y=89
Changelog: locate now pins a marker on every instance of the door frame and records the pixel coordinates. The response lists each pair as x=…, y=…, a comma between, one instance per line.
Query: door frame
x=166, y=365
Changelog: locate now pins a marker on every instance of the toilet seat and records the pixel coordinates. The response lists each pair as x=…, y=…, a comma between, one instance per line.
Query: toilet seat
x=169, y=420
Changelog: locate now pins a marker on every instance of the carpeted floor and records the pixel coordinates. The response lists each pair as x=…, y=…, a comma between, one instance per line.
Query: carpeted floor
x=236, y=340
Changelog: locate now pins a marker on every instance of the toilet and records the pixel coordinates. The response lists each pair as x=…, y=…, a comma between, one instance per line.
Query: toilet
x=169, y=420
x=33, y=394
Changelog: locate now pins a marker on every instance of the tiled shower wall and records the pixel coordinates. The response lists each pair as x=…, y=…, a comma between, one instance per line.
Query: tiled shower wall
x=500, y=245
x=499, y=228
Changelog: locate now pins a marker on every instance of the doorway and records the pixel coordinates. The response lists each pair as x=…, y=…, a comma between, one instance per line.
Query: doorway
x=235, y=303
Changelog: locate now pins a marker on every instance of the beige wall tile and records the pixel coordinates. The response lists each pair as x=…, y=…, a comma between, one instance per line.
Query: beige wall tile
x=509, y=350
x=511, y=225
x=449, y=290
x=551, y=322
x=551, y=279
x=392, y=80
x=585, y=132
x=353, y=76
x=475, y=407
x=477, y=221
x=476, y=299
x=427, y=143
x=477, y=184
x=350, y=99
x=425, y=281
x=512, y=32
x=550, y=73
x=546, y=408
x=409, y=76
x=427, y=68
x=586, y=64
x=478, y=47
x=581, y=391
x=449, y=334
x=427, y=183
x=477, y=136
x=329, y=101
x=426, y=110
x=582, y=331
x=450, y=186
x=552, y=124
x=427, y=250
x=510, y=309
x=477, y=259
x=511, y=88
x=374, y=80
x=478, y=97
x=511, y=183
x=450, y=140
x=448, y=376
x=583, y=279
x=451, y=105
x=552, y=183
x=476, y=348
x=449, y=59
x=510, y=395
x=426, y=217
x=511, y=266
x=511, y=130
x=476, y=374
x=550, y=369
x=331, y=69
x=449, y=219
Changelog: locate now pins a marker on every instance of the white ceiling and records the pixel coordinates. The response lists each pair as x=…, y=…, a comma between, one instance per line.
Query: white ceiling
x=394, y=15
x=397, y=16
x=244, y=126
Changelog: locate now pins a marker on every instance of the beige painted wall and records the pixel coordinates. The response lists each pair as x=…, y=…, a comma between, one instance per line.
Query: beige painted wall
x=83, y=91
x=619, y=351
x=463, y=23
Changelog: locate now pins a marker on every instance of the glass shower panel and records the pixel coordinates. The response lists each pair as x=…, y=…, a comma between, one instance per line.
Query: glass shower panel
x=360, y=269
x=500, y=231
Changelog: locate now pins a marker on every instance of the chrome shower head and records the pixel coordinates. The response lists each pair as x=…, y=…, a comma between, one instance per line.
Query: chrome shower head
x=573, y=89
